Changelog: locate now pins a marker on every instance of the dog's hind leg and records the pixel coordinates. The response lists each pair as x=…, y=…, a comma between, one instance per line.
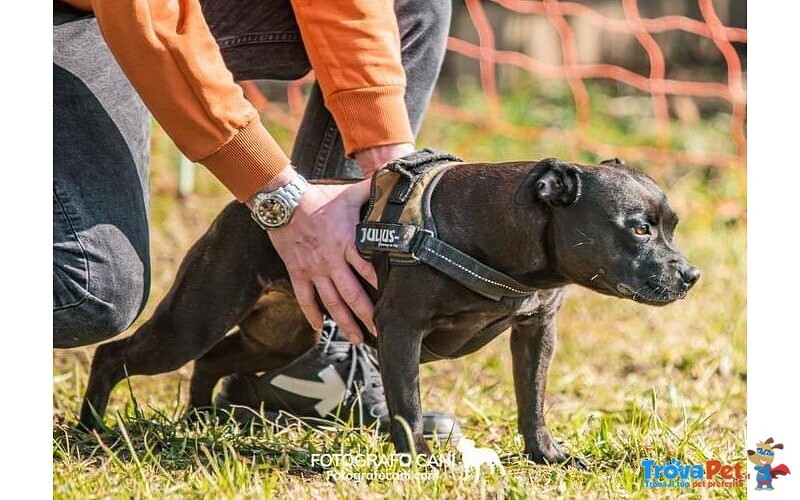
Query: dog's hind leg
x=220, y=279
x=273, y=335
x=236, y=353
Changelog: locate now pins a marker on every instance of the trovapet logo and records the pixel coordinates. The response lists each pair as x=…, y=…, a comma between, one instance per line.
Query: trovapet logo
x=674, y=474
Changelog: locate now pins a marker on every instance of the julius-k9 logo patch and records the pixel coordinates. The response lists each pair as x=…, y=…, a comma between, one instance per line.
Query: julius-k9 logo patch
x=378, y=236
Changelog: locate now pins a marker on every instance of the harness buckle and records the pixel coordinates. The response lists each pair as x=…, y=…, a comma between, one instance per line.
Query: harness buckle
x=419, y=238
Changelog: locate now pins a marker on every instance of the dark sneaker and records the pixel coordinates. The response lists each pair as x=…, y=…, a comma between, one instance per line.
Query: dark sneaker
x=334, y=381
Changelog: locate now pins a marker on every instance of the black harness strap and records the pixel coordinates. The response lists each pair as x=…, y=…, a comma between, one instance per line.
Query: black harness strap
x=425, y=247
x=410, y=168
x=377, y=239
x=467, y=270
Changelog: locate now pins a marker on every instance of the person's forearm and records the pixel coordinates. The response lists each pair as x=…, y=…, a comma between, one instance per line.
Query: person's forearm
x=370, y=160
x=354, y=48
x=168, y=53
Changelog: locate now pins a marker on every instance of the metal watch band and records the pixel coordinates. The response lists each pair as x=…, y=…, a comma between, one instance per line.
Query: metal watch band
x=289, y=193
x=293, y=190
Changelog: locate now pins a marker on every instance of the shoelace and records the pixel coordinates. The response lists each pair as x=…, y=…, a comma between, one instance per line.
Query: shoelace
x=375, y=398
x=358, y=355
x=340, y=351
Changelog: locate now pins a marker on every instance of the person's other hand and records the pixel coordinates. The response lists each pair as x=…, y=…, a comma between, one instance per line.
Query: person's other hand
x=318, y=248
x=373, y=159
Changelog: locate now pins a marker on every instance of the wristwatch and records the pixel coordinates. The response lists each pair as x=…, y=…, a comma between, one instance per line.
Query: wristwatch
x=273, y=209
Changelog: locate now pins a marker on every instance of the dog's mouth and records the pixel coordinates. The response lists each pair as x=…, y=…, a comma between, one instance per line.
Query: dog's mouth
x=651, y=294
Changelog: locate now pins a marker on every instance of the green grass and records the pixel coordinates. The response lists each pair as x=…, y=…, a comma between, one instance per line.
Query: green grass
x=628, y=382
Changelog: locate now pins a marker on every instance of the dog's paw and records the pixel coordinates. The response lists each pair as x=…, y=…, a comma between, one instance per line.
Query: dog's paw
x=558, y=458
x=545, y=451
x=577, y=463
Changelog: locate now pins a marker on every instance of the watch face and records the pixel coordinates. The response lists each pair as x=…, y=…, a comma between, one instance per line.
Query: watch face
x=273, y=212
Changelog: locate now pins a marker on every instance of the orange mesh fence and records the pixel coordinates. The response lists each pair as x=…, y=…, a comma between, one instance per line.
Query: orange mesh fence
x=576, y=74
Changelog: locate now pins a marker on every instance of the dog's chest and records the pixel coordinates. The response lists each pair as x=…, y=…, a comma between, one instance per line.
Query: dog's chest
x=458, y=333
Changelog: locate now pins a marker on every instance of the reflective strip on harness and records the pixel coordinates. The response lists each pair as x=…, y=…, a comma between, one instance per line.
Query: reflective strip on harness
x=468, y=271
x=420, y=244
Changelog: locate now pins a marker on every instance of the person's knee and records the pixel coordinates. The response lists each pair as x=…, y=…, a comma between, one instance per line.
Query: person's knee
x=118, y=306
x=110, y=304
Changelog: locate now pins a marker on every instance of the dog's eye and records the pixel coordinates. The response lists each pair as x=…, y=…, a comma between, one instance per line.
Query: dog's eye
x=642, y=229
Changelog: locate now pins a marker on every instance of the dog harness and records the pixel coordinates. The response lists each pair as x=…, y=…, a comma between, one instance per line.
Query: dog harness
x=399, y=229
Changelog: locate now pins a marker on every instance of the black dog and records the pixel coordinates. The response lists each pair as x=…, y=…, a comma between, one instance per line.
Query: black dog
x=544, y=225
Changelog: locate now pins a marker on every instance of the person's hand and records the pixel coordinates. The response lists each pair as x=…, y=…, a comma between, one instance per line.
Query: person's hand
x=318, y=248
x=318, y=245
x=373, y=159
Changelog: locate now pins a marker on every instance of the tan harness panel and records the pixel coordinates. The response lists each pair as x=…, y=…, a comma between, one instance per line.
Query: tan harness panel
x=383, y=185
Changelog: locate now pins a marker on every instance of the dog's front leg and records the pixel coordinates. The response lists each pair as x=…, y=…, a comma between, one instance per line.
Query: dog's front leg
x=533, y=340
x=399, y=352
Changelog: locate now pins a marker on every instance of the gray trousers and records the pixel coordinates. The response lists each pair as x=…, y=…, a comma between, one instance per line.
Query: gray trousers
x=101, y=136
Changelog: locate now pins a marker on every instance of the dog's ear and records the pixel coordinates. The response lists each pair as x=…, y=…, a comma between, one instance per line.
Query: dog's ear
x=778, y=446
x=769, y=440
x=612, y=161
x=550, y=182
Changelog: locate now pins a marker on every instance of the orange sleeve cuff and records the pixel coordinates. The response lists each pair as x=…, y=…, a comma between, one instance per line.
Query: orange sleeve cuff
x=248, y=161
x=369, y=117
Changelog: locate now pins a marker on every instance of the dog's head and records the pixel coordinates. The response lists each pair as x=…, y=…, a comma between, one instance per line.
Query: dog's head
x=764, y=454
x=610, y=230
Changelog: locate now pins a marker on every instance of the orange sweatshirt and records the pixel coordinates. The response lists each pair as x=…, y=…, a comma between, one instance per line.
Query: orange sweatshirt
x=168, y=53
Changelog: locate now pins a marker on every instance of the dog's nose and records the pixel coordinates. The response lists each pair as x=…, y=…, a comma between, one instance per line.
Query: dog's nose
x=690, y=275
